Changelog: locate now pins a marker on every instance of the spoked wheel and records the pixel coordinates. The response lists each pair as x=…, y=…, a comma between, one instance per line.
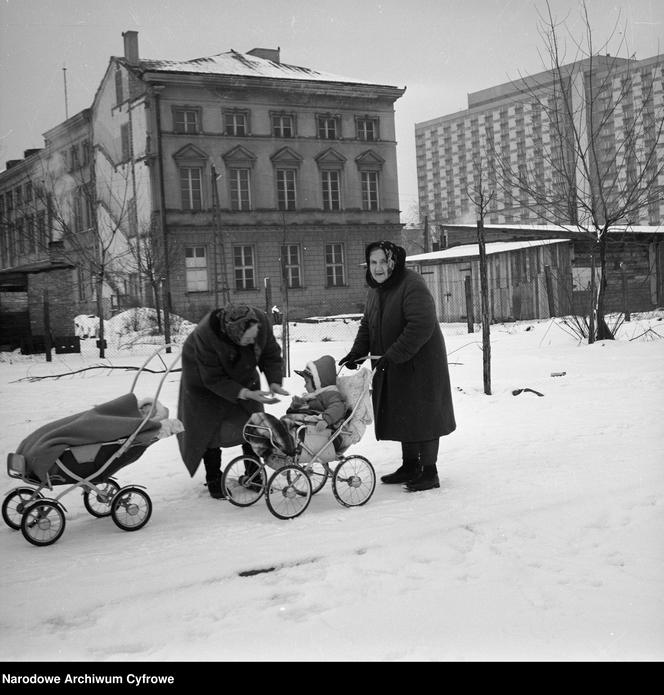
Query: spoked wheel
x=43, y=522
x=244, y=481
x=318, y=474
x=288, y=492
x=131, y=508
x=354, y=481
x=99, y=503
x=15, y=504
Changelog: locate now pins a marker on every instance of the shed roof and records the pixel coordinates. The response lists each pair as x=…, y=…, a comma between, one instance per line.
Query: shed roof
x=470, y=250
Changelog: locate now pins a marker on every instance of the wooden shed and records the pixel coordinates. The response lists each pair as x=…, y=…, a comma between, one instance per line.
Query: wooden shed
x=526, y=279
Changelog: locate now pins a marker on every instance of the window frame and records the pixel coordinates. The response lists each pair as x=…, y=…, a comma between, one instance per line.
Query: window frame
x=191, y=269
x=286, y=190
x=370, y=190
x=186, y=128
x=323, y=122
x=233, y=128
x=278, y=129
x=240, y=191
x=361, y=130
x=187, y=196
x=291, y=267
x=244, y=273
x=334, y=266
x=327, y=192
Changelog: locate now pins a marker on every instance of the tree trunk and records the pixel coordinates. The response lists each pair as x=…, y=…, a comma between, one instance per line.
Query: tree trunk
x=100, y=314
x=484, y=290
x=603, y=331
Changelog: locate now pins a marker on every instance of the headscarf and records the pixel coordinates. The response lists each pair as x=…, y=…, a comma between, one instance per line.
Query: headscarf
x=234, y=319
x=393, y=253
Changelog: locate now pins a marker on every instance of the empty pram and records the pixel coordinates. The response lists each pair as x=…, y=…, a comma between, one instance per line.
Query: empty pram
x=85, y=450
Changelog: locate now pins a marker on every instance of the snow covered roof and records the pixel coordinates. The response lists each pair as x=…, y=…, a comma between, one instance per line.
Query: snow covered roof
x=617, y=229
x=246, y=65
x=470, y=250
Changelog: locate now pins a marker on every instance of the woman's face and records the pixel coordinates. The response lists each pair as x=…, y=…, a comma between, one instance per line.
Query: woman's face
x=379, y=267
x=249, y=336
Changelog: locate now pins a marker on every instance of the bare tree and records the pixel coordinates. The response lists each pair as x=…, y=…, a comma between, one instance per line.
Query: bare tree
x=482, y=198
x=603, y=162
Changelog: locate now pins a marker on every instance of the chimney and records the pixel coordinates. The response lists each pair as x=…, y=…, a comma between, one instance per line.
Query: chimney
x=131, y=46
x=266, y=53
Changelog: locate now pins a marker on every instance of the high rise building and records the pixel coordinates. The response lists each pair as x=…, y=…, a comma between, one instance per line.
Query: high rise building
x=510, y=124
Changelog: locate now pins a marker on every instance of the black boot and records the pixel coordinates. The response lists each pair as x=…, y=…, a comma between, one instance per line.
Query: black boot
x=408, y=470
x=253, y=477
x=426, y=480
x=212, y=462
x=428, y=477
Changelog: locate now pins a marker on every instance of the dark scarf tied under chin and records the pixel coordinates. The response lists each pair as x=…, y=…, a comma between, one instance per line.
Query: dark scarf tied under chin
x=234, y=319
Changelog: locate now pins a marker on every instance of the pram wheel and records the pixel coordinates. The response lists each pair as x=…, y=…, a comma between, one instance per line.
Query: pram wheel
x=354, y=481
x=243, y=481
x=15, y=504
x=288, y=492
x=131, y=508
x=43, y=522
x=99, y=504
x=318, y=474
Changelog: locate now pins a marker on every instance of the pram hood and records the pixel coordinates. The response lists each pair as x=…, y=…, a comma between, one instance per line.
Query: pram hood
x=107, y=422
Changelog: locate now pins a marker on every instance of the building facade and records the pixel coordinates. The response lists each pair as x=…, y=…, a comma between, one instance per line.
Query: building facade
x=234, y=177
x=459, y=152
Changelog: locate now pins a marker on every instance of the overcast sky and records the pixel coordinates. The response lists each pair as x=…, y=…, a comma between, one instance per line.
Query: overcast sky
x=440, y=50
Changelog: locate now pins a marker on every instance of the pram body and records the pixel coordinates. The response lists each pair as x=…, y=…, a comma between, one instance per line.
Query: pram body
x=84, y=451
x=293, y=468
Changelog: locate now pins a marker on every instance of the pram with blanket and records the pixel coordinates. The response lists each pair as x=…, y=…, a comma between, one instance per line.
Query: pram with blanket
x=300, y=459
x=84, y=451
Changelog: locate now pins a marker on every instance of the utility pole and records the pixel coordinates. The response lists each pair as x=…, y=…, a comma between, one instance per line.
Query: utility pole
x=64, y=75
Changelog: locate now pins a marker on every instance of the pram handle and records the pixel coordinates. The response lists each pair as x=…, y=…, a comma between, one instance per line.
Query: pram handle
x=168, y=370
x=364, y=357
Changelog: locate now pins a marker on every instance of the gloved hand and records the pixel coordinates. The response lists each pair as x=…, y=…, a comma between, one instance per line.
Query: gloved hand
x=258, y=396
x=349, y=361
x=380, y=365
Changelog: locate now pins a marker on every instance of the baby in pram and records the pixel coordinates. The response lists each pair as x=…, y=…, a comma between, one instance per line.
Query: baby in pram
x=321, y=409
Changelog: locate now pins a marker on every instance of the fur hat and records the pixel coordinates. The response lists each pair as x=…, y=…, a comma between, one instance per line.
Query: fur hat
x=323, y=371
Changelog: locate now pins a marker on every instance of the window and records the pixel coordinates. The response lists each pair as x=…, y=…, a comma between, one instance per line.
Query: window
x=186, y=120
x=366, y=128
x=82, y=284
x=28, y=192
x=17, y=197
x=334, y=265
x=236, y=123
x=369, y=190
x=126, y=145
x=77, y=212
x=9, y=198
x=119, y=95
x=73, y=158
x=331, y=190
x=20, y=236
x=290, y=265
x=328, y=127
x=190, y=188
x=240, y=198
x=196, y=270
x=283, y=125
x=42, y=231
x=30, y=233
x=286, y=189
x=243, y=263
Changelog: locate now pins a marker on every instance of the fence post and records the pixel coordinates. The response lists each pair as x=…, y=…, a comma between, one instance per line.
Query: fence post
x=47, y=327
x=625, y=297
x=470, y=316
x=549, y=291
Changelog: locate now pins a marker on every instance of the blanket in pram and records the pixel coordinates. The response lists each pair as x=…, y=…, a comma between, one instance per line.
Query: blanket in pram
x=116, y=419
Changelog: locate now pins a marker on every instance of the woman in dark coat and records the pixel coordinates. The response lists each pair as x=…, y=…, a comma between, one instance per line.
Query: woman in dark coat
x=220, y=385
x=412, y=397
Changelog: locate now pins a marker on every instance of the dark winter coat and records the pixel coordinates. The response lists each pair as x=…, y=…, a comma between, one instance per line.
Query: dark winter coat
x=214, y=371
x=412, y=396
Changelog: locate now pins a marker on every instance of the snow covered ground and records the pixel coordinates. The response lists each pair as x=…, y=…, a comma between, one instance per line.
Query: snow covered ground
x=544, y=541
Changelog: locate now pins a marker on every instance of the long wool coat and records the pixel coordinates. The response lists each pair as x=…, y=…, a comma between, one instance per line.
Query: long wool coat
x=412, y=397
x=214, y=371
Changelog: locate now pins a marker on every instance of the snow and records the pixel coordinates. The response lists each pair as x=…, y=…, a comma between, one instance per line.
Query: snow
x=543, y=543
